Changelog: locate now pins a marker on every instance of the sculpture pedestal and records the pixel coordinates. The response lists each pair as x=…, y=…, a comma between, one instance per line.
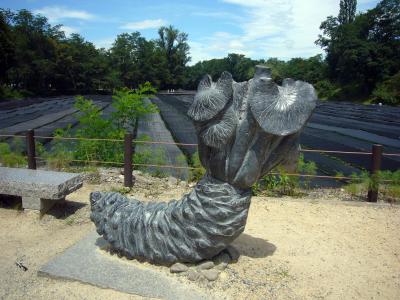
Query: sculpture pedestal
x=85, y=262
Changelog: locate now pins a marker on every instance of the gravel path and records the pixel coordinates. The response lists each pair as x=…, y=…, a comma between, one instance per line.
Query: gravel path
x=315, y=247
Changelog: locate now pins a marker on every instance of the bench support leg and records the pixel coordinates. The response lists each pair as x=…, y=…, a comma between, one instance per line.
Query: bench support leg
x=38, y=204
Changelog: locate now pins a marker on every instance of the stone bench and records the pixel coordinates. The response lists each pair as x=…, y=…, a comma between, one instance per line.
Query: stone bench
x=39, y=189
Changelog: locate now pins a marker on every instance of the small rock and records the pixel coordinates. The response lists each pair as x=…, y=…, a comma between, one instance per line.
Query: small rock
x=223, y=257
x=211, y=275
x=178, y=268
x=193, y=275
x=183, y=184
x=221, y=267
x=172, y=181
x=233, y=253
x=206, y=265
x=222, y=260
x=136, y=172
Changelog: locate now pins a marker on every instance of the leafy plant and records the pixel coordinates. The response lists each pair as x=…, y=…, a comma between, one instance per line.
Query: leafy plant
x=122, y=190
x=388, y=91
x=283, y=183
x=386, y=182
x=92, y=124
x=8, y=93
x=181, y=161
x=129, y=106
x=198, y=172
x=11, y=158
x=158, y=158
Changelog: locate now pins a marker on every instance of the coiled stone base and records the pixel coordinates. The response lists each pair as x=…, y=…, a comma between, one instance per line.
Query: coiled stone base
x=197, y=227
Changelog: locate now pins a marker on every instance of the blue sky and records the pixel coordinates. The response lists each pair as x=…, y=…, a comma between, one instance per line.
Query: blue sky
x=256, y=28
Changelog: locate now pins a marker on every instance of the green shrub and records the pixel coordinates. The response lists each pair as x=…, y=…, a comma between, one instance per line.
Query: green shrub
x=8, y=93
x=9, y=158
x=198, y=172
x=327, y=90
x=128, y=106
x=388, y=91
x=283, y=183
x=159, y=157
x=181, y=161
x=148, y=155
x=388, y=182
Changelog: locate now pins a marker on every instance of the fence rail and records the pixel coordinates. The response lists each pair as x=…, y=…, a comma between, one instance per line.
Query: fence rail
x=376, y=155
x=178, y=144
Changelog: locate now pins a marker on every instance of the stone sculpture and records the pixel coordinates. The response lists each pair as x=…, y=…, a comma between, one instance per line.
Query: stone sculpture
x=244, y=130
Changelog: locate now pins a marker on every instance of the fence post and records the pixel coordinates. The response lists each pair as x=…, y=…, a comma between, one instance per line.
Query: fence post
x=128, y=160
x=376, y=160
x=31, y=149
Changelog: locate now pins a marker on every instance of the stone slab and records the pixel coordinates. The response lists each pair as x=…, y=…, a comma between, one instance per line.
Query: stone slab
x=85, y=263
x=38, y=183
x=42, y=205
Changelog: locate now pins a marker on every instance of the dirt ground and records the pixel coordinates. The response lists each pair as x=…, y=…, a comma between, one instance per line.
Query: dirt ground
x=316, y=247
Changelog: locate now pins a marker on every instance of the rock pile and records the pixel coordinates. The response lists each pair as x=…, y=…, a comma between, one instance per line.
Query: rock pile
x=209, y=269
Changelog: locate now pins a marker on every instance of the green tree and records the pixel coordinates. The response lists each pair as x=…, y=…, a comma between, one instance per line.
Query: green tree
x=175, y=49
x=7, y=47
x=35, y=51
x=363, y=53
x=79, y=65
x=124, y=57
x=347, y=11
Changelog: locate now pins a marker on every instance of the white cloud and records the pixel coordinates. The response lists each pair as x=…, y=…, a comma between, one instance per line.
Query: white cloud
x=145, y=24
x=104, y=43
x=281, y=28
x=271, y=28
x=217, y=14
x=217, y=46
x=199, y=52
x=69, y=30
x=57, y=13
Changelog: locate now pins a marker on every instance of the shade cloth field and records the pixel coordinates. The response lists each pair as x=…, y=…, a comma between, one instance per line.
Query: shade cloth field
x=339, y=126
x=173, y=112
x=153, y=126
x=45, y=116
x=46, y=113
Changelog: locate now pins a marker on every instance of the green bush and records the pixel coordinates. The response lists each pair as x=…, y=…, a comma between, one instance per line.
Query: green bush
x=388, y=91
x=198, y=172
x=15, y=158
x=327, y=90
x=129, y=105
x=181, y=161
x=386, y=182
x=148, y=155
x=8, y=93
x=283, y=183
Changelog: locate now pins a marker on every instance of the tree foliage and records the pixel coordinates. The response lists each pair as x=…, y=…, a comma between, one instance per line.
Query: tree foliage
x=38, y=57
x=362, y=58
x=347, y=11
x=363, y=53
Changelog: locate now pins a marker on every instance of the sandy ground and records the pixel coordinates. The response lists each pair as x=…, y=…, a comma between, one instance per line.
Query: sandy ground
x=308, y=248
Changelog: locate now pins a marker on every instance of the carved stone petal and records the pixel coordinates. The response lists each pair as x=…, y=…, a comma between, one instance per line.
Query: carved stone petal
x=211, y=97
x=240, y=96
x=218, y=134
x=281, y=110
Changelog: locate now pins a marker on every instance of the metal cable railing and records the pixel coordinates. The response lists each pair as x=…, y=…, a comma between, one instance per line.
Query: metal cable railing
x=183, y=144
x=376, y=155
